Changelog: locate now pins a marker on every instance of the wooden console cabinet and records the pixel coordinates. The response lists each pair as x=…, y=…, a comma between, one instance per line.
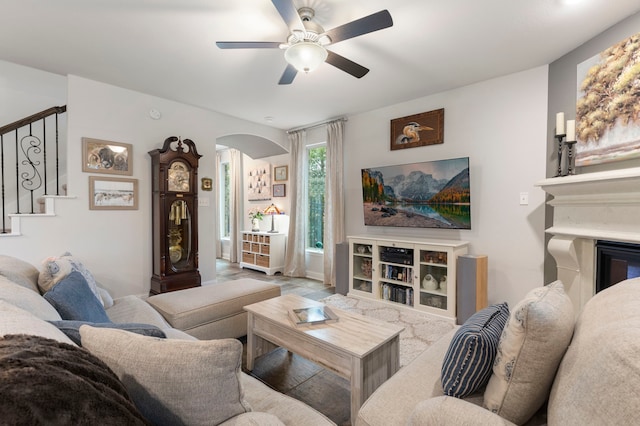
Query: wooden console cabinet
x=410, y=272
x=263, y=251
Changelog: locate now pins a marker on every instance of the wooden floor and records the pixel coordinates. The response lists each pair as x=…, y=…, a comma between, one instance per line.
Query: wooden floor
x=289, y=373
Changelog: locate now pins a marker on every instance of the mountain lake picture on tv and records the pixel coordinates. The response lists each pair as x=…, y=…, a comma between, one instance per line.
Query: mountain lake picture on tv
x=433, y=194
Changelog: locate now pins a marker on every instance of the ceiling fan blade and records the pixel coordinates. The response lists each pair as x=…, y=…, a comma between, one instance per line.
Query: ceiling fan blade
x=368, y=24
x=289, y=13
x=248, y=44
x=346, y=65
x=288, y=75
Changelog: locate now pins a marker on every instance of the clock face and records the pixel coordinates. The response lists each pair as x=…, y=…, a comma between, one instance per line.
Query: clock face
x=179, y=177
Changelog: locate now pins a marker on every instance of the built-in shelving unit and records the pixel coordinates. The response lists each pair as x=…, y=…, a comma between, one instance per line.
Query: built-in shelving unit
x=414, y=273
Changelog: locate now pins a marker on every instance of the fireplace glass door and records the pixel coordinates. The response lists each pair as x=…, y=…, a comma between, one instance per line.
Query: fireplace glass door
x=615, y=262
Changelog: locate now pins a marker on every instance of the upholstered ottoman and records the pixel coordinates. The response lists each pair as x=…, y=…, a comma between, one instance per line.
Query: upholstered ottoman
x=213, y=311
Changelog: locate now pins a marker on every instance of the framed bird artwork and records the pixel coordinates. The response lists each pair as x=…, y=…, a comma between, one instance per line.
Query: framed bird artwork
x=422, y=129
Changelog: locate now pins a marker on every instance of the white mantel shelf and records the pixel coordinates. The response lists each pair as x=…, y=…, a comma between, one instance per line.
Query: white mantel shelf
x=587, y=208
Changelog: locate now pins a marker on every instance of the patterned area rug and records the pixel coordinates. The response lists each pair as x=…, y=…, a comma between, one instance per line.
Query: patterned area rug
x=420, y=329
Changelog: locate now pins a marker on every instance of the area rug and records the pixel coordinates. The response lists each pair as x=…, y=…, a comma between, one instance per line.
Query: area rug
x=420, y=329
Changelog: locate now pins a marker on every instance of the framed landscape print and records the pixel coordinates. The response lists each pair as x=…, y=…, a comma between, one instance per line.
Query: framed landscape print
x=107, y=193
x=108, y=157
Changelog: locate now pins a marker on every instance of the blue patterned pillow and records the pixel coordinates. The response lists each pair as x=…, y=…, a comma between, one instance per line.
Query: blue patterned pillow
x=74, y=300
x=468, y=362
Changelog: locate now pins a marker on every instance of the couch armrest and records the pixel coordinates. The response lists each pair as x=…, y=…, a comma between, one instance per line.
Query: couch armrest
x=447, y=410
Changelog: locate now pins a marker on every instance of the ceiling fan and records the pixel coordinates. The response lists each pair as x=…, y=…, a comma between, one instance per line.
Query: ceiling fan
x=305, y=47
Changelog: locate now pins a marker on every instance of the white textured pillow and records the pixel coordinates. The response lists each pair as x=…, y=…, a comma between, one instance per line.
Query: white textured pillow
x=531, y=347
x=18, y=321
x=27, y=299
x=174, y=381
x=55, y=269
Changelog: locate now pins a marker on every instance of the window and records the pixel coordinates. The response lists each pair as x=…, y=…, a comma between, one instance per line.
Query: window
x=316, y=167
x=225, y=193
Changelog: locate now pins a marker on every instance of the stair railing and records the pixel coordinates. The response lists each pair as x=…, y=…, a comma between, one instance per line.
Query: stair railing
x=26, y=145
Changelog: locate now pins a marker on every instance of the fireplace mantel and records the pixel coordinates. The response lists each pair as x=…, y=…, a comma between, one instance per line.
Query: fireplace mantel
x=587, y=208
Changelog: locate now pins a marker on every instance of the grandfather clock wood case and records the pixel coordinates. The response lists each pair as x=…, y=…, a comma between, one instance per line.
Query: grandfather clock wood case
x=174, y=170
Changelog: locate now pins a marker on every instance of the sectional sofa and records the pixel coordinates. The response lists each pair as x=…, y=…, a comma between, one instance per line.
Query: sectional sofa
x=138, y=370
x=556, y=371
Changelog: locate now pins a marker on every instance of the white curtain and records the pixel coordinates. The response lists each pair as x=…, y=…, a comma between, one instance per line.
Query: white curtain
x=294, y=264
x=334, y=199
x=235, y=200
x=218, y=240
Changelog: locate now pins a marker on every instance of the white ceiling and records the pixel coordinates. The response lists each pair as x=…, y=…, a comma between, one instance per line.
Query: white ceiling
x=167, y=48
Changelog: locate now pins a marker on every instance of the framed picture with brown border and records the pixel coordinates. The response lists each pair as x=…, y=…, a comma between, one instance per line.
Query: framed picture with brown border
x=416, y=130
x=279, y=190
x=108, y=193
x=280, y=173
x=108, y=157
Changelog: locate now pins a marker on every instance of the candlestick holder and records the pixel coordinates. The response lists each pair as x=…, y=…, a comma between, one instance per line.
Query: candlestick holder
x=560, y=139
x=571, y=158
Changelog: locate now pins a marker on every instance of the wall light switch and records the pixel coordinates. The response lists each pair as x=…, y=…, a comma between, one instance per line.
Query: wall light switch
x=524, y=198
x=203, y=202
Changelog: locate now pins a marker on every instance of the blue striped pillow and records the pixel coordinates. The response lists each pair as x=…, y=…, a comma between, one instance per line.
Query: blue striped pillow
x=469, y=360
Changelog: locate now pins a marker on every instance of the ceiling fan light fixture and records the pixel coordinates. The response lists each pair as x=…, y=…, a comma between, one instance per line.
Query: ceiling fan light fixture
x=306, y=55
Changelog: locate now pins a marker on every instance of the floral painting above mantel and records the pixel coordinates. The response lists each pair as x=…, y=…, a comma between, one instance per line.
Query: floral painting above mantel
x=608, y=105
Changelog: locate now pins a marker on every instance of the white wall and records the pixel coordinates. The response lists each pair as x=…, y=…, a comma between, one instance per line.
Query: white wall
x=116, y=245
x=501, y=126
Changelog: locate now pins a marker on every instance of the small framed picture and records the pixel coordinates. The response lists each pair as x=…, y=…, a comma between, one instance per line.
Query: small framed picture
x=207, y=184
x=106, y=193
x=100, y=156
x=280, y=173
x=279, y=190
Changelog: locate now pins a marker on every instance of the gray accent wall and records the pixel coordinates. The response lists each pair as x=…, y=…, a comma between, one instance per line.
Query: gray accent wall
x=562, y=97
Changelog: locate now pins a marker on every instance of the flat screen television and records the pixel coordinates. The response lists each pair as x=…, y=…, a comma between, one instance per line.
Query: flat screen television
x=432, y=194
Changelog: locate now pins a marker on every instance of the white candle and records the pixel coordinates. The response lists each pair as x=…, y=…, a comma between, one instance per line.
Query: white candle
x=560, y=123
x=571, y=130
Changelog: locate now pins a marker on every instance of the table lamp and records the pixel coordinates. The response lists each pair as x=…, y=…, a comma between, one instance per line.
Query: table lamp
x=272, y=210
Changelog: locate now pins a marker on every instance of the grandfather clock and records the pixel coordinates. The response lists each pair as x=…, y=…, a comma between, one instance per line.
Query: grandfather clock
x=174, y=170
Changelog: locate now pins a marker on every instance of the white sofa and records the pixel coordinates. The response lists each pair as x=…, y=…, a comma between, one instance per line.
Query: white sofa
x=24, y=311
x=597, y=381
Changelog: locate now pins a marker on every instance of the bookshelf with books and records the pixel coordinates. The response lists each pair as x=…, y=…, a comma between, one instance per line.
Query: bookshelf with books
x=410, y=272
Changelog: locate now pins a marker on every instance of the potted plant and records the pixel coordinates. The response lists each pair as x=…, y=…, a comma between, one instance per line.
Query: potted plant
x=256, y=216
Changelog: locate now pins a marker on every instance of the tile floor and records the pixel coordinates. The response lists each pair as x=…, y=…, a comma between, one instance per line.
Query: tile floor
x=286, y=372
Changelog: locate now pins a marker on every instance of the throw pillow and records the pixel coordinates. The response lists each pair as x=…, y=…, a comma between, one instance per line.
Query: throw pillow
x=467, y=364
x=72, y=328
x=26, y=299
x=48, y=382
x=74, y=300
x=531, y=347
x=174, y=381
x=55, y=269
x=18, y=321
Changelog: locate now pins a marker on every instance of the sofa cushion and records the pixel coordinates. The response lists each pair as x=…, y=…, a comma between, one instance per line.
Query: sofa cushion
x=466, y=367
x=201, y=386
x=72, y=329
x=133, y=309
x=530, y=349
x=598, y=381
x=19, y=271
x=19, y=321
x=254, y=419
x=48, y=382
x=55, y=269
x=74, y=300
x=27, y=299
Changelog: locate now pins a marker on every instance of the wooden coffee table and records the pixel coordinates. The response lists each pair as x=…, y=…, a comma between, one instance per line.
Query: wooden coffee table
x=361, y=349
